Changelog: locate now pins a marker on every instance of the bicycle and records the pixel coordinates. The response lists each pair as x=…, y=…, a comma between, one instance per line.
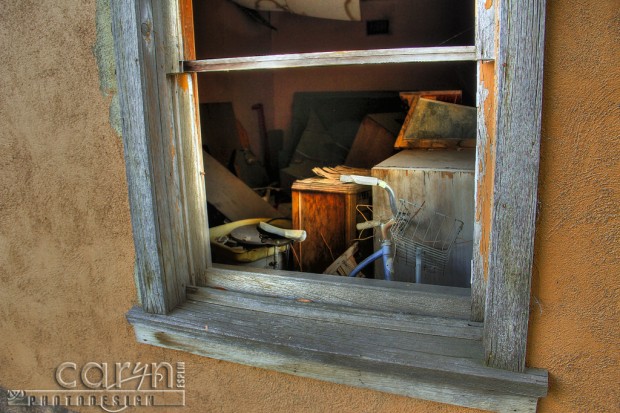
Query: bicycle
x=413, y=233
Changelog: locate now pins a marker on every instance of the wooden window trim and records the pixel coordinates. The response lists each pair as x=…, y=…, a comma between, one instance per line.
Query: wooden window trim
x=348, y=57
x=167, y=201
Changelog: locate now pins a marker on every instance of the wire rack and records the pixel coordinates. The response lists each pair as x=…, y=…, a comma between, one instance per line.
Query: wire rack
x=424, y=237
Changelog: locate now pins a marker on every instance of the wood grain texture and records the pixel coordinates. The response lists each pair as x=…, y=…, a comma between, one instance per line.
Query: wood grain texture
x=194, y=200
x=444, y=182
x=162, y=149
x=485, y=104
x=156, y=48
x=340, y=345
x=169, y=15
x=322, y=216
x=485, y=164
x=439, y=326
x=519, y=106
x=193, y=169
x=420, y=299
x=327, y=213
x=485, y=29
x=138, y=164
x=167, y=259
x=349, y=57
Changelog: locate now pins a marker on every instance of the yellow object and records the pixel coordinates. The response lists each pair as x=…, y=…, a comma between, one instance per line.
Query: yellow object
x=226, y=254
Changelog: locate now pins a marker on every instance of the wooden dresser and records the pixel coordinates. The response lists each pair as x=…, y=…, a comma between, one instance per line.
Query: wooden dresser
x=326, y=210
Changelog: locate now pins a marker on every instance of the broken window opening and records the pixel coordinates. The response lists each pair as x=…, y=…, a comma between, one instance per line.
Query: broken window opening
x=267, y=130
x=166, y=193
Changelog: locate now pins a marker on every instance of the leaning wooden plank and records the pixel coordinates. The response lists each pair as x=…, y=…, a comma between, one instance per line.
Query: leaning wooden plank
x=231, y=196
x=519, y=76
x=478, y=387
x=349, y=57
x=438, y=143
x=422, y=299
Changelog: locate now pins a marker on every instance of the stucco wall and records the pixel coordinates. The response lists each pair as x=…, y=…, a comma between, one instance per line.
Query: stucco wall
x=66, y=253
x=575, y=323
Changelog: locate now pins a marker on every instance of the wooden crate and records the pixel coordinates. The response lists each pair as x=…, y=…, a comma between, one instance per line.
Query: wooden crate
x=326, y=210
x=444, y=182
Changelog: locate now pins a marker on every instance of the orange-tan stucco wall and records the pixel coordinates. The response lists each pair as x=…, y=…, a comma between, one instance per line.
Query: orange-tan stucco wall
x=66, y=252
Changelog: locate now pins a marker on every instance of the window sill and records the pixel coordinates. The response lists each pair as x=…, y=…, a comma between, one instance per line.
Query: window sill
x=422, y=356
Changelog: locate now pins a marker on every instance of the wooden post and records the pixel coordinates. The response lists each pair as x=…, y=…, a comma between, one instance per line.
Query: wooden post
x=163, y=150
x=190, y=144
x=138, y=163
x=519, y=75
x=485, y=102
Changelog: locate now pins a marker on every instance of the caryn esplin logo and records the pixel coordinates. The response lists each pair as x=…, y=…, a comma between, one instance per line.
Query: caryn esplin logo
x=112, y=387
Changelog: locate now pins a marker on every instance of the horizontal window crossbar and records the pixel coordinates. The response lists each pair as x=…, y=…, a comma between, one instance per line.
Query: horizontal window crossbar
x=342, y=58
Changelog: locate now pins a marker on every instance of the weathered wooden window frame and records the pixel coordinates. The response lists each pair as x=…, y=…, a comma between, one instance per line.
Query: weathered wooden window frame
x=158, y=97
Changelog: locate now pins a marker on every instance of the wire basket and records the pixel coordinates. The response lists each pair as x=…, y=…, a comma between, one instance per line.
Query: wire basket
x=424, y=238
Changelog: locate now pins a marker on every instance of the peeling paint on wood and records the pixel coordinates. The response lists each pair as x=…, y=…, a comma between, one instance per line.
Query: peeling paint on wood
x=484, y=185
x=485, y=29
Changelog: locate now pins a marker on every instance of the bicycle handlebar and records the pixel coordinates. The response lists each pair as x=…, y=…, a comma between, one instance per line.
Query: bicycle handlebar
x=294, y=234
x=371, y=181
x=368, y=224
x=362, y=180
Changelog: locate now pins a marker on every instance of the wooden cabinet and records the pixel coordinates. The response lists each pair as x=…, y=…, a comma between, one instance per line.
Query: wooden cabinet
x=326, y=210
x=444, y=182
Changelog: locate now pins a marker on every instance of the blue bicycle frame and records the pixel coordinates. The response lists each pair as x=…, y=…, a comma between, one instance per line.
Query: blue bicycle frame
x=385, y=252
